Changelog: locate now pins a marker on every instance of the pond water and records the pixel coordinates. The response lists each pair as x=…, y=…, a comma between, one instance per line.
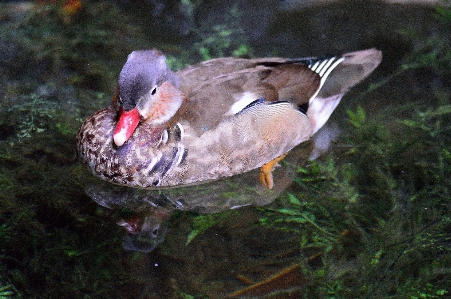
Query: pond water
x=370, y=218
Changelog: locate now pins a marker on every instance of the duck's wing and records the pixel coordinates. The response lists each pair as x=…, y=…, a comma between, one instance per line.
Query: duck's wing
x=232, y=90
x=222, y=87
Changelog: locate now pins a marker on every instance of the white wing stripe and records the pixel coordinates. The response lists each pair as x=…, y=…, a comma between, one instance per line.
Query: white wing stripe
x=326, y=66
x=330, y=69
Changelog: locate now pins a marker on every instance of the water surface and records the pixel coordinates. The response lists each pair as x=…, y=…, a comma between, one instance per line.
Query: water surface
x=369, y=219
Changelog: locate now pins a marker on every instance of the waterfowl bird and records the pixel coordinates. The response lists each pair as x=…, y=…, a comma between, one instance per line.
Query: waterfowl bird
x=214, y=119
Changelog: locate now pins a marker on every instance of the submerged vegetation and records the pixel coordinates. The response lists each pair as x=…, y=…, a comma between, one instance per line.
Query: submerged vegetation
x=383, y=219
x=379, y=205
x=372, y=217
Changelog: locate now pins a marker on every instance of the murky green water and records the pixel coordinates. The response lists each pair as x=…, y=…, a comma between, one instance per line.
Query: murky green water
x=369, y=219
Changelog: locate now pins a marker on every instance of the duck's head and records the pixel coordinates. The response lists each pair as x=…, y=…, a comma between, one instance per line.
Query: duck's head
x=147, y=91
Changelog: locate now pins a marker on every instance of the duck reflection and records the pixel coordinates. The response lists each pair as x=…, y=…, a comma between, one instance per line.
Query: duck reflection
x=145, y=212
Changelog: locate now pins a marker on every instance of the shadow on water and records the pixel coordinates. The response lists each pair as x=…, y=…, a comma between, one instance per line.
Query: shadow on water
x=368, y=219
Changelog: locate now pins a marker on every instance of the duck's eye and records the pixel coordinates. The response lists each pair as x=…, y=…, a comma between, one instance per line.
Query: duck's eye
x=154, y=91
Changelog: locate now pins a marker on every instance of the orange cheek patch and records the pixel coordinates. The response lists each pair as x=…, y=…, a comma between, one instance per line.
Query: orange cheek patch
x=169, y=101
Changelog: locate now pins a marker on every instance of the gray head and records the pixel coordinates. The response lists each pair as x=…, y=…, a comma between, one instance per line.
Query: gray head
x=143, y=72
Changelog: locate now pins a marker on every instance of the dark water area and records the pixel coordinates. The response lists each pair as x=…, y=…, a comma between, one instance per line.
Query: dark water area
x=370, y=218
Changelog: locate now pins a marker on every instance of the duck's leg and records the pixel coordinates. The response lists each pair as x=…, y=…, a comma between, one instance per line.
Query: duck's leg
x=266, y=172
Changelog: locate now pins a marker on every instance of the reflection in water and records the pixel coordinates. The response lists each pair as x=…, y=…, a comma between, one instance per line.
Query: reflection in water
x=150, y=232
x=145, y=226
x=148, y=210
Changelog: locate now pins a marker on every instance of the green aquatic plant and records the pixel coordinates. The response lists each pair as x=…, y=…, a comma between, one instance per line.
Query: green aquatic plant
x=184, y=295
x=7, y=289
x=8, y=292
x=415, y=160
x=431, y=293
x=212, y=39
x=223, y=39
x=384, y=209
x=433, y=51
x=319, y=206
x=32, y=114
x=70, y=47
x=200, y=223
x=358, y=117
x=430, y=121
x=6, y=233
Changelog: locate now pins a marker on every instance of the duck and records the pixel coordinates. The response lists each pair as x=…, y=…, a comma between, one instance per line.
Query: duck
x=214, y=119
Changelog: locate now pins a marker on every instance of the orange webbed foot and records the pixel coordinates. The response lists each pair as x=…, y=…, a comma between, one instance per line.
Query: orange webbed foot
x=266, y=172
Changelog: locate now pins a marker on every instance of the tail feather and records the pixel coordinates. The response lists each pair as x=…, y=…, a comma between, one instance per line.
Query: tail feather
x=337, y=76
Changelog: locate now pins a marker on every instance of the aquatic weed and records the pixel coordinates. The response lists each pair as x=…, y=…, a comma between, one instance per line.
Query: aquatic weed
x=380, y=215
x=8, y=292
x=33, y=114
x=212, y=39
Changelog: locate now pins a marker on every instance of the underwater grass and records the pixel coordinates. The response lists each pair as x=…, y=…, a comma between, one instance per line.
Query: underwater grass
x=381, y=216
x=379, y=204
